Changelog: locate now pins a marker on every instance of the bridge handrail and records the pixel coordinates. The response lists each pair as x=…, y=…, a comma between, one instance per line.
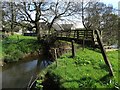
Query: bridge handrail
x=77, y=34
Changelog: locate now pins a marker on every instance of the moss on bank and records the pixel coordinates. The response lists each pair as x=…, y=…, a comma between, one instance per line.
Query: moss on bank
x=16, y=46
x=86, y=70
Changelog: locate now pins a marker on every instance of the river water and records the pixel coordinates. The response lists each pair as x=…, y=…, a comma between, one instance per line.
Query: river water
x=18, y=74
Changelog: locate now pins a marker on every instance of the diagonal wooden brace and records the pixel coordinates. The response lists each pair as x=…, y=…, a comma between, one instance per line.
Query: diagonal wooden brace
x=104, y=53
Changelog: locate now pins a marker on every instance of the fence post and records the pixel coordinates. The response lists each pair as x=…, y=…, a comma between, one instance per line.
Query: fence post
x=55, y=51
x=73, y=49
x=83, y=43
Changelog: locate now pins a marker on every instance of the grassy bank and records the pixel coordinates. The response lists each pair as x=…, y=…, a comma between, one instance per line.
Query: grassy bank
x=86, y=70
x=16, y=46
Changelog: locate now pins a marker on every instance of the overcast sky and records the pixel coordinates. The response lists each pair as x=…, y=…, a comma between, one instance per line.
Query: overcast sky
x=107, y=2
x=113, y=2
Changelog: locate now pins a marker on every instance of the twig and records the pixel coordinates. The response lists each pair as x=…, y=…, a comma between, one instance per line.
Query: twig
x=33, y=82
x=29, y=83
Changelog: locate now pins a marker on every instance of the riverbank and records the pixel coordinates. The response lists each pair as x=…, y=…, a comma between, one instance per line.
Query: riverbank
x=86, y=70
x=17, y=47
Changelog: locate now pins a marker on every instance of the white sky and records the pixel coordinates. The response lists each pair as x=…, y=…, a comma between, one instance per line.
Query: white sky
x=113, y=2
x=107, y=2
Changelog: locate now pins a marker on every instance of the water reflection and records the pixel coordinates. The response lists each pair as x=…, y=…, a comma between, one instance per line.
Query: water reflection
x=18, y=75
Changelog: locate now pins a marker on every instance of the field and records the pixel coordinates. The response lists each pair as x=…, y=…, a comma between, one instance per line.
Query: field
x=86, y=70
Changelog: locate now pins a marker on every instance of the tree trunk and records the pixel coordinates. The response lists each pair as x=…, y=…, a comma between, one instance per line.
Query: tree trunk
x=12, y=18
x=38, y=31
x=12, y=28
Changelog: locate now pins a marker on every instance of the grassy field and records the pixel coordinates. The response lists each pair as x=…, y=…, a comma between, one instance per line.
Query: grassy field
x=14, y=47
x=86, y=70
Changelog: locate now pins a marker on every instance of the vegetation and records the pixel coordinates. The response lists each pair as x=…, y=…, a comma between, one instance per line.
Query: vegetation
x=16, y=13
x=98, y=16
x=95, y=15
x=86, y=70
x=16, y=46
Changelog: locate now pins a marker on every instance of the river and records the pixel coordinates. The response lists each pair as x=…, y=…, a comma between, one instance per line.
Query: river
x=18, y=74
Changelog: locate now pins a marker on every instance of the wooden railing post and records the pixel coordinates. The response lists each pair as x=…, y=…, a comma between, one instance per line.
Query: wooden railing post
x=77, y=34
x=74, y=32
x=61, y=33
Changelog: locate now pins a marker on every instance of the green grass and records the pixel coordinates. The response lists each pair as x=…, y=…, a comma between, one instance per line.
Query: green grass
x=86, y=70
x=14, y=47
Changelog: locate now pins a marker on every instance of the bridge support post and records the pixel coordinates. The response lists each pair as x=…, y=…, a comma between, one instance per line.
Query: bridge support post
x=83, y=43
x=73, y=49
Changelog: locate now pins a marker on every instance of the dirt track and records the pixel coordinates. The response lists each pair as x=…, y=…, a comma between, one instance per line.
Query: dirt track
x=110, y=50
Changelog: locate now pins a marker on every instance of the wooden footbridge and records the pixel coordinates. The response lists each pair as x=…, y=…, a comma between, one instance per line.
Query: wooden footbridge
x=79, y=36
x=84, y=37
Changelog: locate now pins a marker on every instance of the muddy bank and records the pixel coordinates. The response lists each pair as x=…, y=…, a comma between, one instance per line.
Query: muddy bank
x=59, y=48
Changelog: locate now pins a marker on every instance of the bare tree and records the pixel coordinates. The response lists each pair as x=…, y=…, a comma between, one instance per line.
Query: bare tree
x=102, y=17
x=9, y=14
x=61, y=9
x=85, y=4
x=49, y=12
x=25, y=11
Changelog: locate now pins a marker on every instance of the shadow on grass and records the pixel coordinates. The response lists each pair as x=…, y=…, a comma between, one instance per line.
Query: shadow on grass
x=94, y=49
x=104, y=67
x=53, y=82
x=110, y=82
x=50, y=83
x=106, y=79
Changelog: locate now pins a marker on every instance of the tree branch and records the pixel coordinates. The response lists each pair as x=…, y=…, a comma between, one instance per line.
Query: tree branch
x=27, y=12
